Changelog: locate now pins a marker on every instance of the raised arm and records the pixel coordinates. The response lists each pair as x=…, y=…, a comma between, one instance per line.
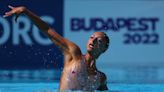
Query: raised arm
x=64, y=44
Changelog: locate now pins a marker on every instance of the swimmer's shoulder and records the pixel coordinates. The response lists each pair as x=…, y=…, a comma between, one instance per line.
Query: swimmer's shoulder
x=102, y=76
x=103, y=81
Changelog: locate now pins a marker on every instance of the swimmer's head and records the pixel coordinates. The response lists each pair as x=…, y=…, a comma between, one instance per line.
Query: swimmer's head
x=98, y=43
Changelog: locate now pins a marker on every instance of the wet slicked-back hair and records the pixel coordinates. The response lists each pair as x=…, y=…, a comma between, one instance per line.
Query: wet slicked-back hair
x=107, y=41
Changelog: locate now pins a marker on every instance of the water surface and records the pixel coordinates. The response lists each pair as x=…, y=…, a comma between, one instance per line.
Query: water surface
x=53, y=87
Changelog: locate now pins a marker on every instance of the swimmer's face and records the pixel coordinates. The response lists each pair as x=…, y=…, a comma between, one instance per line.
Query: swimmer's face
x=97, y=43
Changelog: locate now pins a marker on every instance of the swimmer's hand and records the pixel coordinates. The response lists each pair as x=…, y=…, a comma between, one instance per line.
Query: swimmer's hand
x=15, y=11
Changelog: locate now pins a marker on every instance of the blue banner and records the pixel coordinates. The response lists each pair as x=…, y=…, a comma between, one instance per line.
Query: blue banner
x=22, y=45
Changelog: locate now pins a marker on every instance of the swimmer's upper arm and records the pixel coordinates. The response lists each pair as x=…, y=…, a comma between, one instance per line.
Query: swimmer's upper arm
x=57, y=39
x=103, y=82
x=66, y=45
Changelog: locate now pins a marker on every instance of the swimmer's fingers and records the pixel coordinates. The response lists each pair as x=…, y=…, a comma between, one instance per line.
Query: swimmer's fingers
x=11, y=7
x=11, y=12
x=8, y=13
x=15, y=10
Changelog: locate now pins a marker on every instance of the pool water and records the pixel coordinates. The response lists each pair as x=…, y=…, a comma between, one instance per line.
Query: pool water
x=53, y=87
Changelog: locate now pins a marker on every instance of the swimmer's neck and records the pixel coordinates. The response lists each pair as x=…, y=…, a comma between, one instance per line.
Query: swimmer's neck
x=90, y=60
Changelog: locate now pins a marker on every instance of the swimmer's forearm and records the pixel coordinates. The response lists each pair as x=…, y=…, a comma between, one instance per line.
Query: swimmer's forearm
x=43, y=26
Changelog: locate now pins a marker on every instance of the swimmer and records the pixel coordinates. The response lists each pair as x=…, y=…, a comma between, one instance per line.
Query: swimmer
x=80, y=71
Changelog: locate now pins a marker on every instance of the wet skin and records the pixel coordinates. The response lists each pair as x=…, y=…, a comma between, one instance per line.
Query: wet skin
x=81, y=73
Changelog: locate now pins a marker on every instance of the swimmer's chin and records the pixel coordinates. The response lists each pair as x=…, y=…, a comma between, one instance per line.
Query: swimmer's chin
x=89, y=50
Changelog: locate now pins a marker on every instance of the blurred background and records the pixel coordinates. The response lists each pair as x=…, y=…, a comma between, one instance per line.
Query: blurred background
x=135, y=28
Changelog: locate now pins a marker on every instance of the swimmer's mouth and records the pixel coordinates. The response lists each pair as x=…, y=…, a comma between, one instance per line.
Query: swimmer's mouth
x=91, y=45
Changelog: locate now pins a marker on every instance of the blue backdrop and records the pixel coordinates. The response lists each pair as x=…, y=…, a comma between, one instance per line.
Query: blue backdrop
x=135, y=54
x=21, y=45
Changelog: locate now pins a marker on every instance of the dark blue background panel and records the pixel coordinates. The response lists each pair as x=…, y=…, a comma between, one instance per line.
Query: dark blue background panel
x=22, y=46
